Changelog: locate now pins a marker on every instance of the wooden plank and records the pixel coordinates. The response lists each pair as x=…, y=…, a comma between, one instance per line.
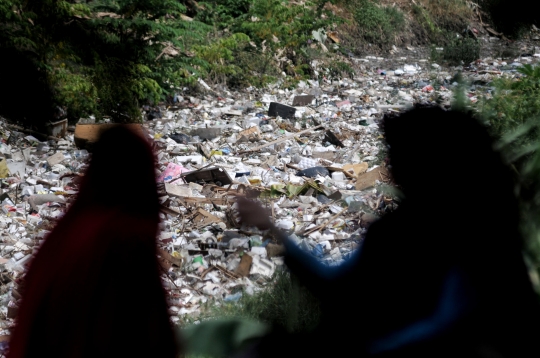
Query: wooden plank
x=320, y=227
x=169, y=211
x=204, y=218
x=195, y=200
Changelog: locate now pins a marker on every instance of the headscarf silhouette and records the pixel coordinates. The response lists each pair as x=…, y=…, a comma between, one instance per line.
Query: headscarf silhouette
x=94, y=288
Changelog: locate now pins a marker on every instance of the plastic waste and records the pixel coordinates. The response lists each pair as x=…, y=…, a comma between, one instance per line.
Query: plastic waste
x=233, y=298
x=338, y=176
x=181, y=138
x=318, y=251
x=313, y=172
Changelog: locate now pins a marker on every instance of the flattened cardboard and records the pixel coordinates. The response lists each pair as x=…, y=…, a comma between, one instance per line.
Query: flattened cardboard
x=244, y=266
x=367, y=180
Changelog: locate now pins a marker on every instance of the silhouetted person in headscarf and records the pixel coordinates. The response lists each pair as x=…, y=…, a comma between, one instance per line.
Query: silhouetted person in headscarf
x=441, y=276
x=94, y=287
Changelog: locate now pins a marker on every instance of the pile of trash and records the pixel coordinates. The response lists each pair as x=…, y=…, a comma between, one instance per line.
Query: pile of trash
x=313, y=156
x=315, y=165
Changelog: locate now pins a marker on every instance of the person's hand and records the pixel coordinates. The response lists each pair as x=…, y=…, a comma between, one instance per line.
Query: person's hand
x=253, y=214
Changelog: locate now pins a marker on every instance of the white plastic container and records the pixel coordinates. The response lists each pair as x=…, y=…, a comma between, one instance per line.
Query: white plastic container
x=254, y=121
x=338, y=176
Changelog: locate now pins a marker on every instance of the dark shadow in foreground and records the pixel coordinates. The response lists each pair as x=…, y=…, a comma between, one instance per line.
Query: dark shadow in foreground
x=441, y=276
x=94, y=287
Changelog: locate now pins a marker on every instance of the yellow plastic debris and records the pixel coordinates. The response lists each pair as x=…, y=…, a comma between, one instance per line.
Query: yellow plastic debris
x=4, y=172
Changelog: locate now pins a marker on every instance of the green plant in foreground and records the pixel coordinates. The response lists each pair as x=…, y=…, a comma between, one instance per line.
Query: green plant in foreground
x=524, y=155
x=284, y=304
x=514, y=104
x=513, y=117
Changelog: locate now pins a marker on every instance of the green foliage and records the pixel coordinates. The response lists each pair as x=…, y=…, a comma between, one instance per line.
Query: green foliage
x=513, y=105
x=75, y=91
x=521, y=147
x=220, y=55
x=278, y=32
x=460, y=100
x=285, y=304
x=437, y=22
x=280, y=24
x=283, y=30
x=138, y=51
x=513, y=115
x=378, y=24
x=461, y=50
x=429, y=28
x=339, y=69
x=222, y=13
x=259, y=69
x=106, y=56
x=443, y=15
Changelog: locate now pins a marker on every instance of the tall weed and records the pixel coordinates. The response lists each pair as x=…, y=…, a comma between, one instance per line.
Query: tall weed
x=284, y=304
x=514, y=104
x=513, y=114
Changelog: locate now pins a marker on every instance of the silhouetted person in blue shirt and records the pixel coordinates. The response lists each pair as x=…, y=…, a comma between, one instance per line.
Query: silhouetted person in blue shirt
x=441, y=276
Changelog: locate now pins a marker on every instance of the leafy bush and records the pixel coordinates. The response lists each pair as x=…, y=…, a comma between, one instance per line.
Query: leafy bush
x=280, y=24
x=259, y=69
x=104, y=57
x=514, y=104
x=75, y=91
x=283, y=30
x=220, y=57
x=222, y=13
x=461, y=50
x=378, y=24
x=513, y=115
x=339, y=69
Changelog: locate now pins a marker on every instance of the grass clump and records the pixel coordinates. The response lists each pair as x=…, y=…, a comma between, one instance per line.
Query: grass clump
x=339, y=69
x=450, y=15
x=285, y=304
x=461, y=50
x=378, y=25
x=512, y=113
x=513, y=104
x=441, y=24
